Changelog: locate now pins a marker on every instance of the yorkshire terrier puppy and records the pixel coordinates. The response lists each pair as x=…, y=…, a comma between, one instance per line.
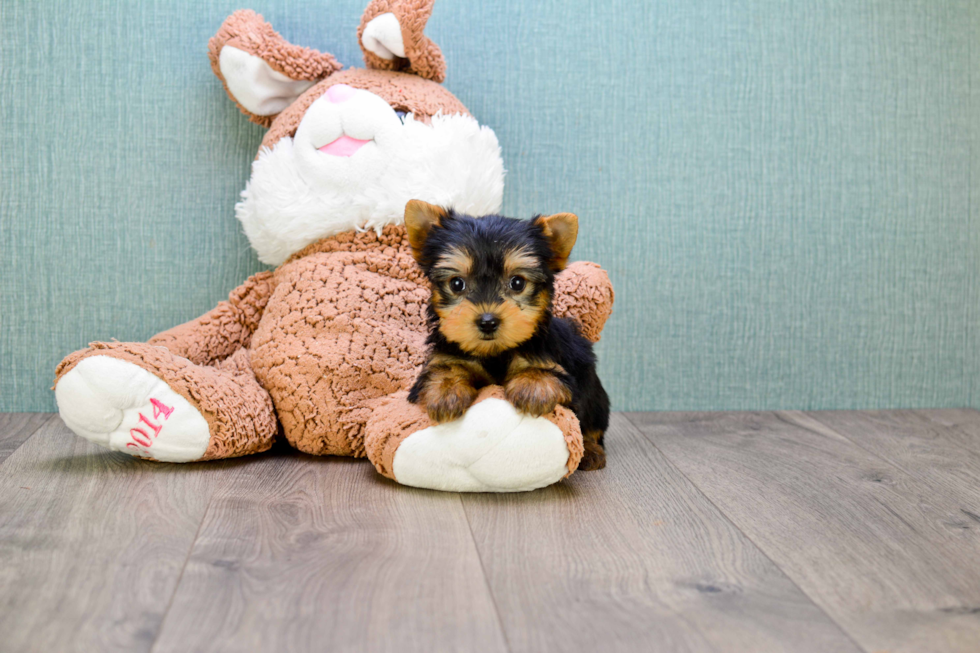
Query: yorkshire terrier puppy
x=490, y=316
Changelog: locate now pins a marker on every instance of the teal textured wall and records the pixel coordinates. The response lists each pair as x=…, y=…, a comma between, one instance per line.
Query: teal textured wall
x=781, y=191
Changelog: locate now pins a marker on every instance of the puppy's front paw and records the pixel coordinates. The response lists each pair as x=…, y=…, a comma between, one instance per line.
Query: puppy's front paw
x=536, y=392
x=449, y=403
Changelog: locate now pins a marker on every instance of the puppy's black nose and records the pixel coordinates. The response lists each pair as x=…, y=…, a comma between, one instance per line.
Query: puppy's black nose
x=487, y=323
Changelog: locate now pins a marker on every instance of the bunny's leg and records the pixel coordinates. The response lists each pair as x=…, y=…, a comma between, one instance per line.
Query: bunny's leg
x=188, y=394
x=145, y=401
x=492, y=448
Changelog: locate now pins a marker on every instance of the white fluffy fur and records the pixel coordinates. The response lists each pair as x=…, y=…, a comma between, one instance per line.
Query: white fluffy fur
x=298, y=195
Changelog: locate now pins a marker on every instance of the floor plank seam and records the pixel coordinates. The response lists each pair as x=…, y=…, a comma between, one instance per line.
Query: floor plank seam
x=486, y=578
x=180, y=576
x=738, y=528
x=51, y=416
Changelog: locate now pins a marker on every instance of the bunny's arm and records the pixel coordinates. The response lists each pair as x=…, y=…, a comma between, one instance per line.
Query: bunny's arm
x=224, y=329
x=584, y=292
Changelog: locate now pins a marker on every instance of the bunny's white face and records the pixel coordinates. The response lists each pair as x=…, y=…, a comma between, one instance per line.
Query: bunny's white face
x=354, y=163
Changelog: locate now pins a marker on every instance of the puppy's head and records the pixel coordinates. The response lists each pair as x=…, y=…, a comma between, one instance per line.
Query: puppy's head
x=492, y=277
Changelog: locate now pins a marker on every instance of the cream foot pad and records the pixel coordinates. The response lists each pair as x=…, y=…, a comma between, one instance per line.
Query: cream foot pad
x=492, y=448
x=121, y=406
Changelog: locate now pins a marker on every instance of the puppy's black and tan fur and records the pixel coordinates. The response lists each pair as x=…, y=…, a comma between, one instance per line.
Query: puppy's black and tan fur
x=490, y=316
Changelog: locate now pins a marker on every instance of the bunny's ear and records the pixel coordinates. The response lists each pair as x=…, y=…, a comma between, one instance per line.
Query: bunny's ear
x=263, y=73
x=391, y=38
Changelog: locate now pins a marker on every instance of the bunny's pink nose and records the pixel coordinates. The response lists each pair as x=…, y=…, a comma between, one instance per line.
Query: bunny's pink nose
x=340, y=93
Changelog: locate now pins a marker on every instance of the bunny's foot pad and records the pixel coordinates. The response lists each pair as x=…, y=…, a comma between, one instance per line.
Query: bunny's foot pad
x=121, y=406
x=492, y=448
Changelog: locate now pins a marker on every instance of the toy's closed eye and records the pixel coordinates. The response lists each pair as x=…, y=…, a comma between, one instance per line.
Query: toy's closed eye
x=401, y=114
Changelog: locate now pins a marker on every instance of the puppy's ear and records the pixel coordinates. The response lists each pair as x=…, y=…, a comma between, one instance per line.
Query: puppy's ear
x=561, y=230
x=420, y=218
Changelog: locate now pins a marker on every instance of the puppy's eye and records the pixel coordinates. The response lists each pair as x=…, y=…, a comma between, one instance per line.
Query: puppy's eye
x=517, y=284
x=457, y=285
x=401, y=115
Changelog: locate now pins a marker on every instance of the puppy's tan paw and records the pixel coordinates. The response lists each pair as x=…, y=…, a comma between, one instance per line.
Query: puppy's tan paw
x=536, y=392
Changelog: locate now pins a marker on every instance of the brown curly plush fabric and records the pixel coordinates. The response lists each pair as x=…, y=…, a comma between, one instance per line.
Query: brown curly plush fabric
x=249, y=32
x=565, y=420
x=584, y=291
x=345, y=326
x=422, y=56
x=224, y=329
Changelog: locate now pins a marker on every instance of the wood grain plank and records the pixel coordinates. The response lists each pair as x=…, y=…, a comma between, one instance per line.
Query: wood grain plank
x=875, y=547
x=15, y=428
x=92, y=542
x=634, y=558
x=300, y=553
x=912, y=441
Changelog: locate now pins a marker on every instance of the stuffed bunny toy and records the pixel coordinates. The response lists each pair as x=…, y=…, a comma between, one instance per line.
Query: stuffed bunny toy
x=321, y=350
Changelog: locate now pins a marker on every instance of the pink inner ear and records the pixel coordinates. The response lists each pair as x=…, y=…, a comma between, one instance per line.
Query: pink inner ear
x=343, y=146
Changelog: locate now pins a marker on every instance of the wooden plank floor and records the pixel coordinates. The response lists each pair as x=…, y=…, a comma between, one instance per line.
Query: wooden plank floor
x=788, y=531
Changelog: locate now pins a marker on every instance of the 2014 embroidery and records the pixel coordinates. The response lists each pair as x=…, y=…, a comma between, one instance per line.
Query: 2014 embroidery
x=141, y=439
